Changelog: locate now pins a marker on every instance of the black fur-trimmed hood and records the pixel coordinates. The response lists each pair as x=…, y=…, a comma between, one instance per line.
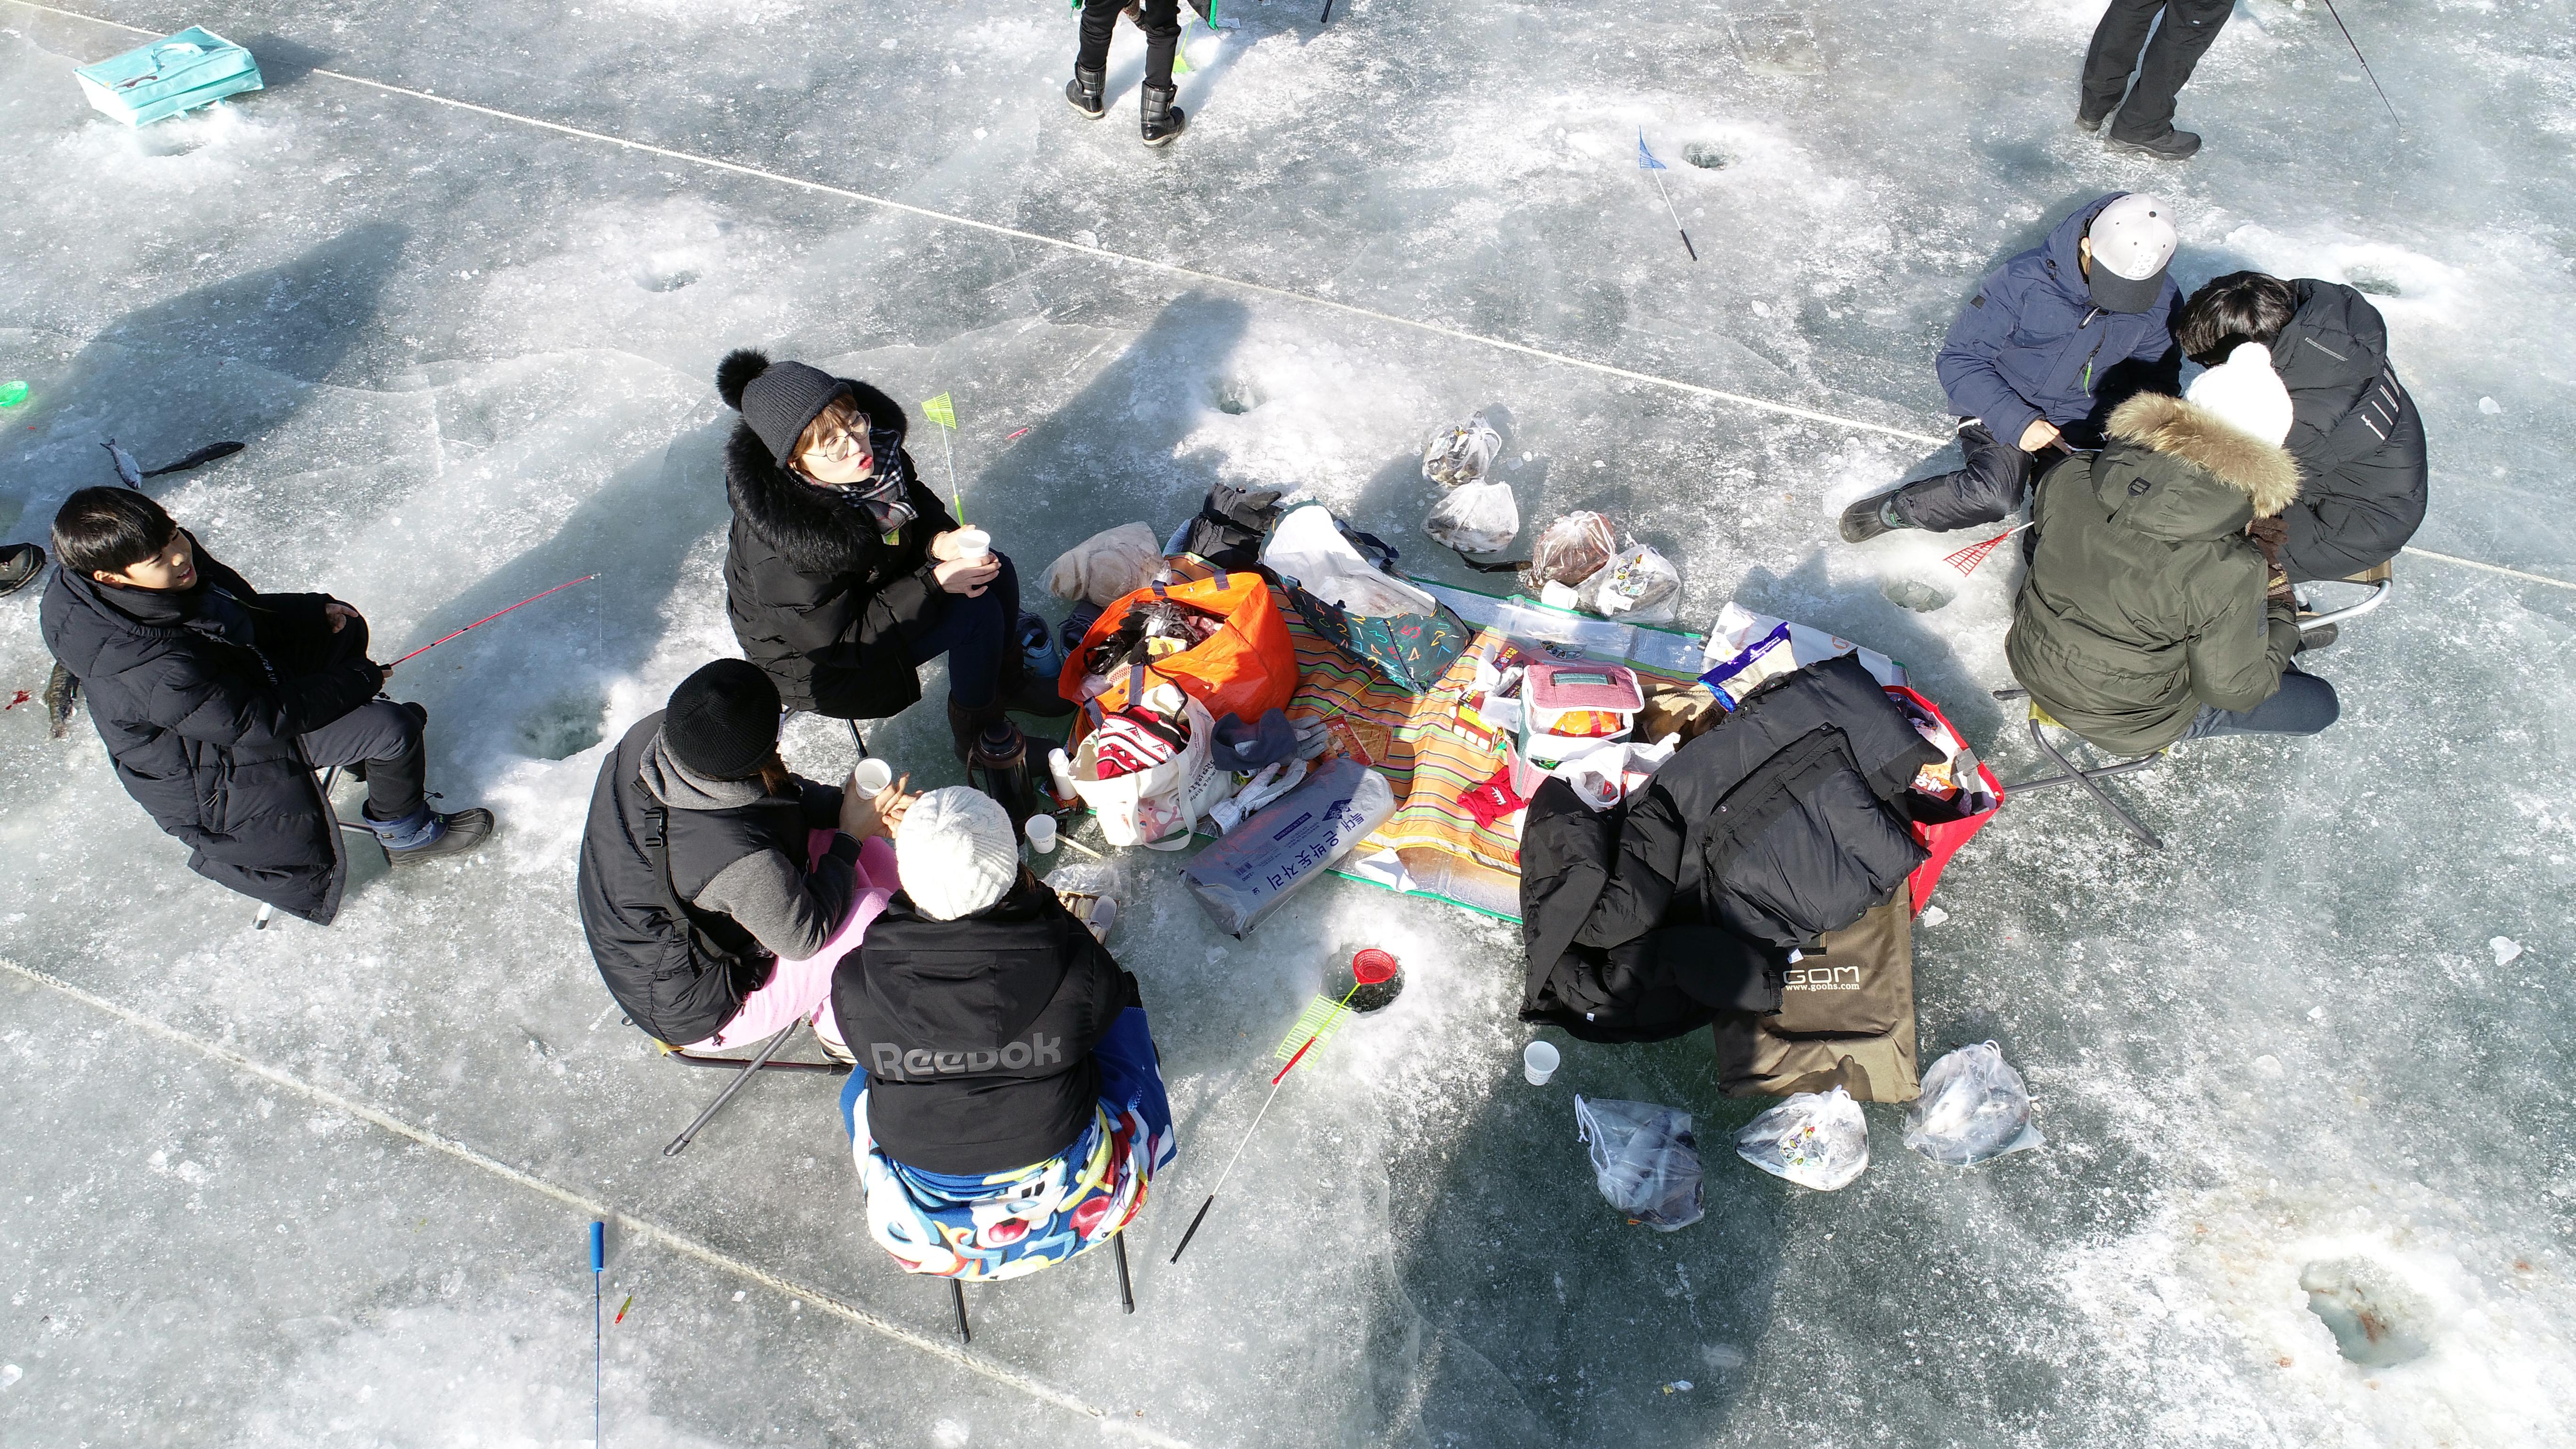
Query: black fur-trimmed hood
x=809, y=526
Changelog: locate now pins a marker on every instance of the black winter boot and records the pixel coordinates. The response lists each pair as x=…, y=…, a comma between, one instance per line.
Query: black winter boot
x=2087, y=121
x=1163, y=120
x=426, y=835
x=965, y=726
x=1026, y=693
x=2171, y=146
x=1869, y=517
x=19, y=562
x=1085, y=92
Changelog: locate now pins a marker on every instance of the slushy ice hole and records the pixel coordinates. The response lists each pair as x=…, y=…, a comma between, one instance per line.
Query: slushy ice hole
x=561, y=727
x=1236, y=396
x=2372, y=1316
x=2376, y=283
x=1706, y=155
x=660, y=281
x=1370, y=979
x=1916, y=595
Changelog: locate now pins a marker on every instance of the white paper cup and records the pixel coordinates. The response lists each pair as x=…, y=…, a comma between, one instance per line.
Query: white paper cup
x=1538, y=1062
x=973, y=543
x=871, y=777
x=1042, y=833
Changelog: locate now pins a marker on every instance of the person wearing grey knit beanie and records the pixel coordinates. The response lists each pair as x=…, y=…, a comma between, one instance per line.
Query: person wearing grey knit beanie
x=845, y=573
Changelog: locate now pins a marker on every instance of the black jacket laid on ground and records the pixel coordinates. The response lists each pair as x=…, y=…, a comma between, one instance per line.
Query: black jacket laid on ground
x=680, y=958
x=2356, y=434
x=820, y=600
x=2145, y=600
x=1781, y=823
x=976, y=1034
x=202, y=696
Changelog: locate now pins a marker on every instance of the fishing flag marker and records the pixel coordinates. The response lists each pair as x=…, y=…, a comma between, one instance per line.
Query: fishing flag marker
x=1321, y=1018
x=1646, y=162
x=598, y=1260
x=941, y=411
x=488, y=618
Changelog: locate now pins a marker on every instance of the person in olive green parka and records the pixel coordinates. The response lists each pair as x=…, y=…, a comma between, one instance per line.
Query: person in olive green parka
x=2148, y=615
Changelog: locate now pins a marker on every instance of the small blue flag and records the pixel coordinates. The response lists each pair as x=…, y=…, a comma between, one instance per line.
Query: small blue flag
x=1646, y=159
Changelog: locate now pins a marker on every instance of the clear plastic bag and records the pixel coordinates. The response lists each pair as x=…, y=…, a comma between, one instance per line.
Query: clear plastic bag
x=1476, y=518
x=1814, y=1139
x=1459, y=455
x=1974, y=1109
x=1638, y=585
x=1643, y=1159
x=1569, y=551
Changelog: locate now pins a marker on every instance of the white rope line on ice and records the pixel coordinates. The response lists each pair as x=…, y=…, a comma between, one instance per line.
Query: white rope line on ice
x=640, y=1227
x=1177, y=269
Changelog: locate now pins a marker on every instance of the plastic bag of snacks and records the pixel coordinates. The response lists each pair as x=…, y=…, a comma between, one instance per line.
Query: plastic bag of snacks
x=1476, y=518
x=1569, y=551
x=1638, y=585
x=1460, y=455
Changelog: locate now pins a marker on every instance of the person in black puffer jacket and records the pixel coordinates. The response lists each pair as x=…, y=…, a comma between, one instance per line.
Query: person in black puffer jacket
x=717, y=889
x=976, y=1001
x=1779, y=824
x=218, y=702
x=2354, y=430
x=842, y=574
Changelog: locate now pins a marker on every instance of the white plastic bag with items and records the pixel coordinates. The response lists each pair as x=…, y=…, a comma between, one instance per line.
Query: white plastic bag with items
x=1814, y=1139
x=1638, y=585
x=1306, y=547
x=1459, y=455
x=1476, y=518
x=1643, y=1159
x=1568, y=551
x=1974, y=1109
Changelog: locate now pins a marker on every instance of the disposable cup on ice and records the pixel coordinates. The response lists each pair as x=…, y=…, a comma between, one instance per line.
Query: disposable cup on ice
x=1538, y=1062
x=871, y=777
x=973, y=543
x=1042, y=833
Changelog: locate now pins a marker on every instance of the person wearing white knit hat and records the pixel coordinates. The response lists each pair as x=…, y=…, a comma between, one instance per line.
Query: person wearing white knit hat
x=2246, y=394
x=955, y=853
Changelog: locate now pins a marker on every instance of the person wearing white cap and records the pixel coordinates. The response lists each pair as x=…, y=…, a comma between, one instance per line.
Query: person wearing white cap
x=2145, y=122
x=2053, y=340
x=2148, y=615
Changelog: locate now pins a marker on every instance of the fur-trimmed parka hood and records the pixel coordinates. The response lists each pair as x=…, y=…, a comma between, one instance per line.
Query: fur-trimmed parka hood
x=810, y=526
x=2173, y=470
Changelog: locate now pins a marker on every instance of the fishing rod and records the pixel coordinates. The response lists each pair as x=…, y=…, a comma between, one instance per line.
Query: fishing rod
x=488, y=618
x=1321, y=1030
x=2365, y=63
x=598, y=1260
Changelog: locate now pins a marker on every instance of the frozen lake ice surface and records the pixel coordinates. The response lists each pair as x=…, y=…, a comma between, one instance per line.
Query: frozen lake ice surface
x=329, y=1186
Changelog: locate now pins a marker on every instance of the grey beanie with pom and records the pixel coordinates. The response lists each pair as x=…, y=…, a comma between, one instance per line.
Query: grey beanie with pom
x=778, y=399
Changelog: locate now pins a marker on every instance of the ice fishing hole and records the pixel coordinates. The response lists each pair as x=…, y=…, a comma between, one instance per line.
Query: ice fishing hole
x=561, y=727
x=668, y=281
x=2374, y=1319
x=1236, y=396
x=2377, y=284
x=1707, y=155
x=1914, y=594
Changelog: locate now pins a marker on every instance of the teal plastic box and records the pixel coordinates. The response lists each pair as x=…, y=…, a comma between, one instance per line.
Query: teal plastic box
x=154, y=82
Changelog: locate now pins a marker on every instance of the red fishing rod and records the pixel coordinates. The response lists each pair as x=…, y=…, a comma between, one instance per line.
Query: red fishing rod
x=488, y=618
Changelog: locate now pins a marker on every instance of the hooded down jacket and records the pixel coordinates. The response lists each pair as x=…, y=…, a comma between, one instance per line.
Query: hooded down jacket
x=2145, y=599
x=1781, y=823
x=2355, y=433
x=820, y=600
x=203, y=698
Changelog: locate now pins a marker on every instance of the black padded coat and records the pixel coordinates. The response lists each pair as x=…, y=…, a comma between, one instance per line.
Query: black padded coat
x=2356, y=435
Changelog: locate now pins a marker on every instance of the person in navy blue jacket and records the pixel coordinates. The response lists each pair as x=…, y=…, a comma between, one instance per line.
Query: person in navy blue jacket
x=2053, y=340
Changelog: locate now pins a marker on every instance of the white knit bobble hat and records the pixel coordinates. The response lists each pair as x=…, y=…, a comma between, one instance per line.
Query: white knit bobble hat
x=2246, y=394
x=955, y=852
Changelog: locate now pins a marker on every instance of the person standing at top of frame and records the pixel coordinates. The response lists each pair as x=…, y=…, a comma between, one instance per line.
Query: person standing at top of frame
x=2053, y=340
x=1087, y=91
x=2144, y=124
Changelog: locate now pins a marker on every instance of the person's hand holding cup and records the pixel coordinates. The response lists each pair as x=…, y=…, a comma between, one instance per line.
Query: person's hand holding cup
x=873, y=802
x=965, y=562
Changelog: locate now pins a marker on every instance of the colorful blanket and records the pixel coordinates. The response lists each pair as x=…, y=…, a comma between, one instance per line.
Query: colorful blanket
x=1011, y=1224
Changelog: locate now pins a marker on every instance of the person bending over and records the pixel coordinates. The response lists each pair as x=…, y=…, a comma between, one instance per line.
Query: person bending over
x=1007, y=1110
x=2145, y=616
x=2354, y=429
x=218, y=703
x=844, y=573
x=2054, y=339
x=716, y=888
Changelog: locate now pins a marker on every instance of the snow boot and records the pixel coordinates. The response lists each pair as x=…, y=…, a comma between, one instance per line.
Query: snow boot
x=1869, y=517
x=19, y=563
x=2087, y=121
x=2171, y=146
x=1027, y=692
x=1163, y=120
x=965, y=726
x=426, y=835
x=1085, y=92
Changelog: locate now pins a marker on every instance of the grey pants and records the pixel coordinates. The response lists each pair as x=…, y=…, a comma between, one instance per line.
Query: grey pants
x=384, y=739
x=2303, y=705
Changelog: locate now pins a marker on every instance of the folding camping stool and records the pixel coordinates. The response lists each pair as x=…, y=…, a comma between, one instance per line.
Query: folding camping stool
x=763, y=1060
x=2091, y=779
x=2380, y=579
x=330, y=779
x=1126, y=1287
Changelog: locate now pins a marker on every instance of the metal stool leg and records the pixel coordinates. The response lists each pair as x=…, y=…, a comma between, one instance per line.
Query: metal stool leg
x=858, y=739
x=768, y=1049
x=957, y=1300
x=2095, y=786
x=1126, y=1285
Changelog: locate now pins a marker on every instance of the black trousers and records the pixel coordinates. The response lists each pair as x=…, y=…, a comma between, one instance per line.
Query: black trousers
x=2189, y=26
x=1162, y=36
x=1995, y=482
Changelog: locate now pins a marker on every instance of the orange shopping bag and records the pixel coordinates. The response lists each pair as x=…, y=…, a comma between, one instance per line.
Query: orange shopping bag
x=1248, y=666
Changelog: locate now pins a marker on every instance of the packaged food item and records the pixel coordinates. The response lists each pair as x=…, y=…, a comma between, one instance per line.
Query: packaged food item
x=1568, y=551
x=1460, y=455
